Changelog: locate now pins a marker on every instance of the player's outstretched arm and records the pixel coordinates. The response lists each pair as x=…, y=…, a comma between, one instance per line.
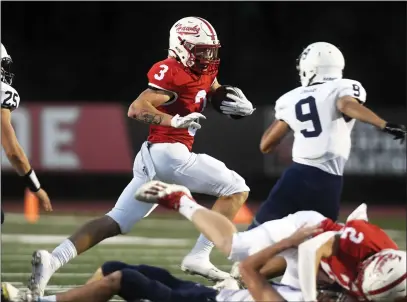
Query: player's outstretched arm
x=310, y=254
x=353, y=109
x=253, y=269
x=144, y=110
x=19, y=160
x=255, y=282
x=273, y=136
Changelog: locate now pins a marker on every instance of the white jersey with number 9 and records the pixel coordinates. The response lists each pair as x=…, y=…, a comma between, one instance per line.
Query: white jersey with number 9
x=321, y=132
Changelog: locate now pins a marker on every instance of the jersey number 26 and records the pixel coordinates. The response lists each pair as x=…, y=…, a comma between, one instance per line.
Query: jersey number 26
x=308, y=115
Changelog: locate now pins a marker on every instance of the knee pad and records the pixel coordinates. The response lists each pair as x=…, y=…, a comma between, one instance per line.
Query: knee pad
x=112, y=266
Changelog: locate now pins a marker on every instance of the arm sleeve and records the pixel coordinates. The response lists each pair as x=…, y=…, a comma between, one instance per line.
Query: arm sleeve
x=279, y=110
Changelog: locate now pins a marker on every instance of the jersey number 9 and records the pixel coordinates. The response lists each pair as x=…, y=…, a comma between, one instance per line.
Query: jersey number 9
x=311, y=115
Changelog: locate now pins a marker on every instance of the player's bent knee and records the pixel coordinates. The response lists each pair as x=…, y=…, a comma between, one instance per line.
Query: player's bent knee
x=236, y=186
x=110, y=267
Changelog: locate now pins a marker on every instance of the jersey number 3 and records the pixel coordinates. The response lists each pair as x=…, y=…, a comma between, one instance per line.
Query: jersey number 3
x=160, y=75
x=309, y=115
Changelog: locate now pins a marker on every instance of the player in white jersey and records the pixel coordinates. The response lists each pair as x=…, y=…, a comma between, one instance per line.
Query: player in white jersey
x=158, y=285
x=10, y=100
x=321, y=113
x=153, y=284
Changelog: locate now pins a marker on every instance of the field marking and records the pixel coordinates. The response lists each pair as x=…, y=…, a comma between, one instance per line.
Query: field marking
x=74, y=266
x=84, y=276
x=20, y=264
x=22, y=250
x=119, y=240
x=151, y=223
x=55, y=289
x=161, y=259
x=56, y=275
x=125, y=240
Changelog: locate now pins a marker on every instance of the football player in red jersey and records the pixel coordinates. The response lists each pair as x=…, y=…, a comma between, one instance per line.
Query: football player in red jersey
x=359, y=256
x=172, y=106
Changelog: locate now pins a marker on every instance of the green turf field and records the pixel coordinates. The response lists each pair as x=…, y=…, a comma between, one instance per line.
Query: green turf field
x=157, y=240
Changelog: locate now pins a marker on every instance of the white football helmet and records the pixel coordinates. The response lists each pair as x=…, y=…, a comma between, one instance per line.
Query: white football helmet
x=320, y=62
x=6, y=75
x=383, y=276
x=194, y=42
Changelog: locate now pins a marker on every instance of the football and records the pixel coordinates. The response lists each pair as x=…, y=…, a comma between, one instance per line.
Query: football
x=219, y=95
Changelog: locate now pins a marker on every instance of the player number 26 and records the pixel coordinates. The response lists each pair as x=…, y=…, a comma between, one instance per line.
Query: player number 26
x=160, y=75
x=352, y=235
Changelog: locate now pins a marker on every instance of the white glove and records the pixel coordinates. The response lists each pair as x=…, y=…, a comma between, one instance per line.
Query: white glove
x=191, y=120
x=241, y=105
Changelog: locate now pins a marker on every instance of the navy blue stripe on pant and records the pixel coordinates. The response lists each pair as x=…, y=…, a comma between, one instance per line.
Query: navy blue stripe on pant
x=156, y=284
x=302, y=188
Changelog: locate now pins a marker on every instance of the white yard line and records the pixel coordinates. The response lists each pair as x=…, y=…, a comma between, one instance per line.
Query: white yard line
x=83, y=266
x=139, y=251
x=161, y=260
x=150, y=223
x=119, y=240
x=56, y=275
x=129, y=240
x=85, y=276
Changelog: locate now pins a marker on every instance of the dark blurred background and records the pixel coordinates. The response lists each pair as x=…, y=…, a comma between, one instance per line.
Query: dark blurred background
x=79, y=65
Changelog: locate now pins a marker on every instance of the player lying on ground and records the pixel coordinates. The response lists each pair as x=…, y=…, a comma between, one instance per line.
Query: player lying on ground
x=321, y=114
x=137, y=282
x=359, y=256
x=171, y=105
x=10, y=100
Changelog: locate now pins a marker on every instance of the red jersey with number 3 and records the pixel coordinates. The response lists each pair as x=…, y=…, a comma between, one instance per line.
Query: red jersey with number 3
x=189, y=96
x=358, y=241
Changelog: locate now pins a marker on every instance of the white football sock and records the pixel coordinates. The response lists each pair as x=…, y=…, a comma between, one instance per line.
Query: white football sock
x=63, y=253
x=203, y=247
x=52, y=298
x=187, y=207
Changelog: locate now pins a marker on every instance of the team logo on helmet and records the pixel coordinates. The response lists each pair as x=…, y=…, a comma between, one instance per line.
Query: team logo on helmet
x=187, y=30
